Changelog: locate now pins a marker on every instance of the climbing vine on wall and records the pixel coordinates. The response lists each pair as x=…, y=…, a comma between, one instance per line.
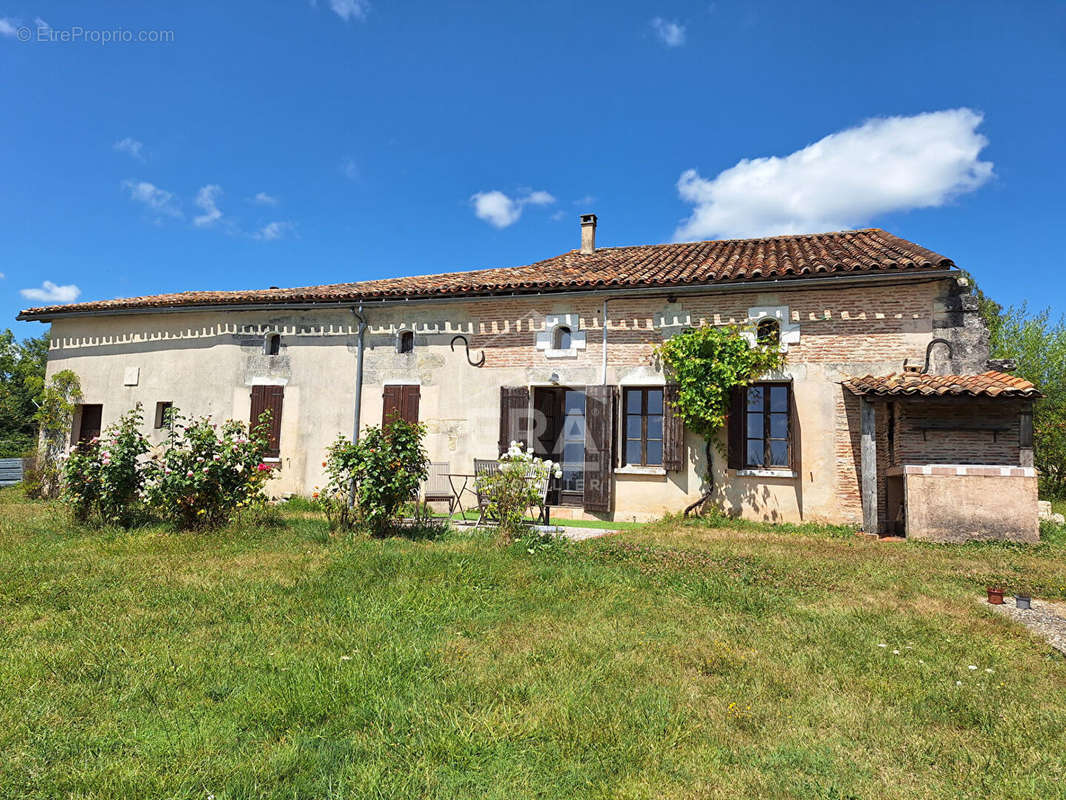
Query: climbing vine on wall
x=706, y=363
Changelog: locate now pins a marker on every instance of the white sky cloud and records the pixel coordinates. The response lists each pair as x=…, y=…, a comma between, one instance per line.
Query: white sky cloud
x=842, y=181
x=264, y=199
x=8, y=26
x=131, y=146
x=207, y=201
x=159, y=200
x=500, y=210
x=669, y=31
x=51, y=293
x=274, y=230
x=349, y=9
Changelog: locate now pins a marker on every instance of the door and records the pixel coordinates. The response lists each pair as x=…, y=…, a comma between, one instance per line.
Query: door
x=560, y=436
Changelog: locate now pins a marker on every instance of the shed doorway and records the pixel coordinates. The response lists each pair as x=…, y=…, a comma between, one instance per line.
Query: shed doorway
x=559, y=435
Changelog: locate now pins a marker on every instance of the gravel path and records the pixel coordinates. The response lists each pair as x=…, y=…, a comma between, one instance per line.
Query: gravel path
x=1044, y=619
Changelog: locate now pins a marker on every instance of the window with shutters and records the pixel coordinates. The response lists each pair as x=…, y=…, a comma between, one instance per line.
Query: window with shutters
x=643, y=427
x=400, y=401
x=268, y=399
x=767, y=426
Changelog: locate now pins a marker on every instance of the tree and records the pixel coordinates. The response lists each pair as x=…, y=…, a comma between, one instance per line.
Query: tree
x=22, y=366
x=55, y=413
x=1037, y=344
x=707, y=363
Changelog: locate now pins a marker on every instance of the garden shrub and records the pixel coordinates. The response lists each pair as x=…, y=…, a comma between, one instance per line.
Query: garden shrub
x=515, y=488
x=206, y=473
x=371, y=479
x=55, y=414
x=104, y=478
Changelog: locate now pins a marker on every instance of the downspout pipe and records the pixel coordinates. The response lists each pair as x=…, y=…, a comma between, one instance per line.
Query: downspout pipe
x=360, y=346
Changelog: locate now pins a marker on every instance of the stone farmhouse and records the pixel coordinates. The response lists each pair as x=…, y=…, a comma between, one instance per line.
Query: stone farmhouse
x=887, y=413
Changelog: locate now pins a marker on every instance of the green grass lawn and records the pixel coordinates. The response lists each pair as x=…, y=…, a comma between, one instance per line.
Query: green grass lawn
x=670, y=661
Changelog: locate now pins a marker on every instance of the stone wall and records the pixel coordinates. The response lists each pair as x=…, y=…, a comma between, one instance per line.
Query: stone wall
x=206, y=362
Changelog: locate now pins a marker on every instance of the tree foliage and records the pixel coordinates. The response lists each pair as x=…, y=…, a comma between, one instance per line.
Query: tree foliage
x=1037, y=344
x=22, y=366
x=54, y=416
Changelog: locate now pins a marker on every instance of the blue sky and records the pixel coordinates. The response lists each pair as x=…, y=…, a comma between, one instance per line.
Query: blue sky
x=292, y=143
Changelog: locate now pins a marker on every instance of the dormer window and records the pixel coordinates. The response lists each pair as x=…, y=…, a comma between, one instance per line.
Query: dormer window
x=562, y=339
x=272, y=344
x=405, y=343
x=768, y=332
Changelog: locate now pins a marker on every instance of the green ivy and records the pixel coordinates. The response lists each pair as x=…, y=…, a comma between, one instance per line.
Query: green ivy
x=706, y=363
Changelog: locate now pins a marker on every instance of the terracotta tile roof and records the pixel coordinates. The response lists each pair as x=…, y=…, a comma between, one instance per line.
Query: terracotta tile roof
x=662, y=265
x=987, y=384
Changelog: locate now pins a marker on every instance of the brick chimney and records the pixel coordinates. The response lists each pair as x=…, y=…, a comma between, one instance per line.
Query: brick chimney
x=588, y=233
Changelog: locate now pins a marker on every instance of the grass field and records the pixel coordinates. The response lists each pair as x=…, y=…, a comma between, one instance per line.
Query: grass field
x=670, y=661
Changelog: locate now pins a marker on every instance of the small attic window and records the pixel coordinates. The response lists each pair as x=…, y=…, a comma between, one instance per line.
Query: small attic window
x=272, y=344
x=562, y=338
x=768, y=331
x=406, y=342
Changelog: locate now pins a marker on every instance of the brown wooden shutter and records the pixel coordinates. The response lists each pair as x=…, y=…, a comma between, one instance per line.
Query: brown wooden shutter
x=392, y=404
x=514, y=416
x=409, y=403
x=599, y=429
x=268, y=398
x=735, y=428
x=673, y=430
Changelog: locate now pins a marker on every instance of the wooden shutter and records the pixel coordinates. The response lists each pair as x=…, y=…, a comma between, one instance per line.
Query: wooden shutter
x=392, y=404
x=268, y=398
x=673, y=431
x=735, y=427
x=599, y=429
x=514, y=416
x=793, y=433
x=409, y=397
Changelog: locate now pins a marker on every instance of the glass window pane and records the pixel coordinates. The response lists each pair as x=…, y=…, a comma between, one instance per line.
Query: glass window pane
x=575, y=402
x=574, y=428
x=633, y=426
x=632, y=452
x=778, y=453
x=779, y=426
x=755, y=453
x=655, y=453
x=633, y=404
x=755, y=398
x=573, y=453
x=655, y=401
x=779, y=398
x=655, y=427
x=755, y=423
x=573, y=479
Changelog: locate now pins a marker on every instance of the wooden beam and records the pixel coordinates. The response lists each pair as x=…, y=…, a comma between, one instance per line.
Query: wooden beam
x=868, y=458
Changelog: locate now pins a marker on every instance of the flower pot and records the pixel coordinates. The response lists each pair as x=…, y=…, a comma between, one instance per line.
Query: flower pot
x=995, y=596
x=1022, y=601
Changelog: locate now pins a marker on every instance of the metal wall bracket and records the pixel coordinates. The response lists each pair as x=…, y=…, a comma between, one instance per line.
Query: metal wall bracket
x=466, y=344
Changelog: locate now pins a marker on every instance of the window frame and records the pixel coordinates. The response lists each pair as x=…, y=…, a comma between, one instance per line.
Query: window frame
x=272, y=344
x=767, y=414
x=625, y=438
x=768, y=332
x=403, y=339
x=163, y=409
x=557, y=337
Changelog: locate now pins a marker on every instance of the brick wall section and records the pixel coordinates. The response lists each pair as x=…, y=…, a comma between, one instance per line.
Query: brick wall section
x=913, y=446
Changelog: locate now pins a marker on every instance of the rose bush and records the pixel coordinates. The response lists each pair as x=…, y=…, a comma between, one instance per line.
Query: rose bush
x=104, y=478
x=515, y=488
x=370, y=480
x=207, y=473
